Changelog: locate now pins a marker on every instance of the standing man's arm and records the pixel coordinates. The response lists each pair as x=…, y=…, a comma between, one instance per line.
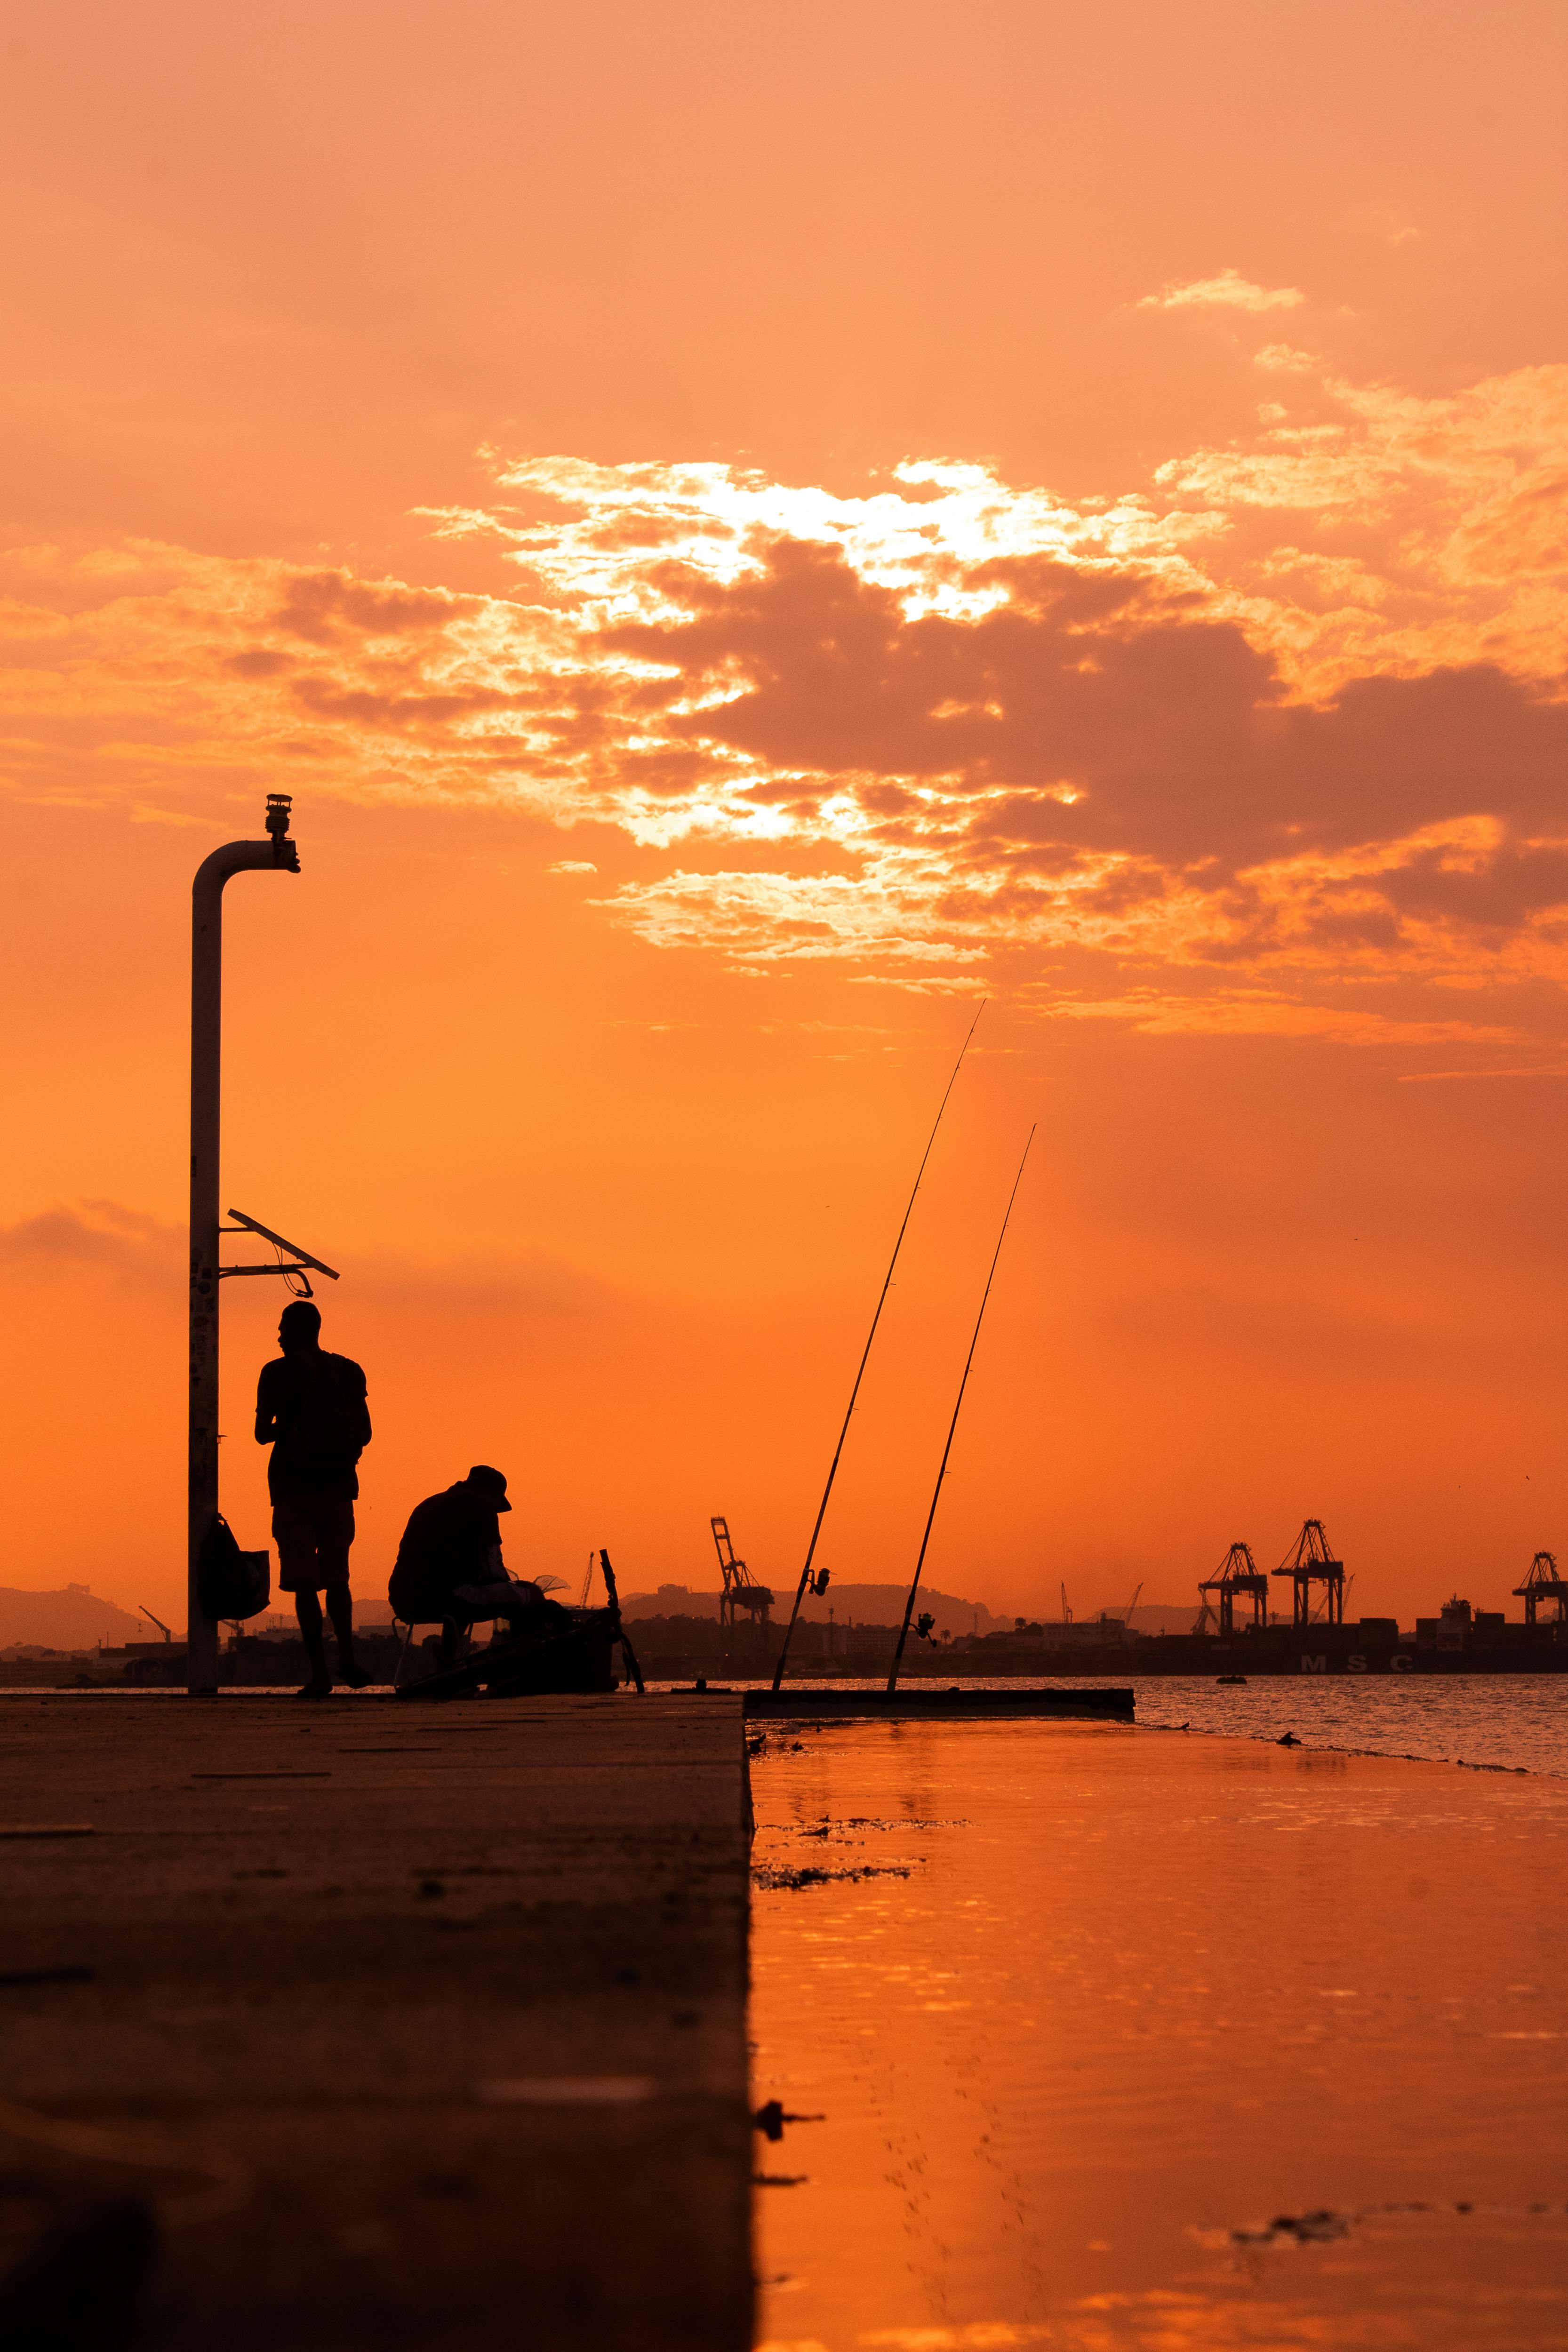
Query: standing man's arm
x=266, y=1411
x=362, y=1413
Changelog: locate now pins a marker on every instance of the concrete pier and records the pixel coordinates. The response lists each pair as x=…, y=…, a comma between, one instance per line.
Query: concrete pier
x=804, y=1703
x=418, y=2028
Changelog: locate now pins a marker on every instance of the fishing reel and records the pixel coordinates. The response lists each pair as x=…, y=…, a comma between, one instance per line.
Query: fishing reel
x=923, y=1624
x=817, y=1585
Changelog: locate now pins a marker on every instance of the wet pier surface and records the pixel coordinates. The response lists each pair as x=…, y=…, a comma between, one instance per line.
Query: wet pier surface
x=420, y=2028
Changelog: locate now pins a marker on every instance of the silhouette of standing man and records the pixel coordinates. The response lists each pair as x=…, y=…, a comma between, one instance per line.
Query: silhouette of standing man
x=311, y=1409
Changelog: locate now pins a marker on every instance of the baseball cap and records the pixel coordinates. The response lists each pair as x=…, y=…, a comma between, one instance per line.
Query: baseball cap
x=481, y=1475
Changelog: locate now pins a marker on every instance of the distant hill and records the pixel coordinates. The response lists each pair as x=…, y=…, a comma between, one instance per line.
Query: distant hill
x=71, y=1619
x=1163, y=1617
x=858, y=1605
x=1154, y=1617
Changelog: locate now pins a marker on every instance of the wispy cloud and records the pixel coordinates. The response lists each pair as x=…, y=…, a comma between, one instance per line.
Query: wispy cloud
x=103, y=1238
x=506, y=1285
x=109, y=1239
x=1226, y=291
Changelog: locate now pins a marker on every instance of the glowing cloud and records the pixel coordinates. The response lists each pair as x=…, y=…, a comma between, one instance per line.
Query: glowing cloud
x=1227, y=291
x=1289, y=711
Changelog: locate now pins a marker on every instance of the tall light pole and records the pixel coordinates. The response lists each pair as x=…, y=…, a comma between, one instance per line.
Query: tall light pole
x=277, y=855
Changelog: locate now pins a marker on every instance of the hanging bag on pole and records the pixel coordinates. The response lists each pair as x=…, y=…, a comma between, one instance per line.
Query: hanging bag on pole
x=230, y=1582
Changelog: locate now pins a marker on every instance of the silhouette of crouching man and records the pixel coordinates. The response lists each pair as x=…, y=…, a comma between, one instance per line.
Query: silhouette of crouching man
x=449, y=1569
x=311, y=1409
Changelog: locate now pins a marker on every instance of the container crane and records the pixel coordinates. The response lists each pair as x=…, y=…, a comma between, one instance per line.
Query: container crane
x=1542, y=1582
x=1237, y=1572
x=1309, y=1563
x=741, y=1589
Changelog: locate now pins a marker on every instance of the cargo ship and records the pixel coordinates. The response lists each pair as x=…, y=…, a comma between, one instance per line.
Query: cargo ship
x=1235, y=1635
x=1458, y=1641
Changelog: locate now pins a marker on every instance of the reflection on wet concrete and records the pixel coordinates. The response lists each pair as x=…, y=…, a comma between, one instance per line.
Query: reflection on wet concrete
x=1161, y=2042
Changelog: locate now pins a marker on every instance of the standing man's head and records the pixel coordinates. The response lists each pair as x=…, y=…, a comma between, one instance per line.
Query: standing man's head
x=489, y=1485
x=299, y=1328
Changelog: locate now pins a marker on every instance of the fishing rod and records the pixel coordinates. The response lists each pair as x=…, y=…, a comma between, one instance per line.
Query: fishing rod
x=952, y=1425
x=618, y=1629
x=818, y=1584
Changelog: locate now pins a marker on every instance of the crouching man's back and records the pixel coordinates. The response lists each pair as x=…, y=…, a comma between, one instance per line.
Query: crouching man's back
x=452, y=1539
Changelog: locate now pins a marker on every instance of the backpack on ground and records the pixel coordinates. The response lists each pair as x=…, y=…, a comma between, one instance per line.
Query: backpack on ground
x=230, y=1582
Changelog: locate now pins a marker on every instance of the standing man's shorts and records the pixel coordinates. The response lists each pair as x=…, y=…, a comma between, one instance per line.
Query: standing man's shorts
x=313, y=1533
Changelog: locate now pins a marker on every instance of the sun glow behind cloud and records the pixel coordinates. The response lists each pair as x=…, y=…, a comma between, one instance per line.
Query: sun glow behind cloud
x=1286, y=710
x=623, y=543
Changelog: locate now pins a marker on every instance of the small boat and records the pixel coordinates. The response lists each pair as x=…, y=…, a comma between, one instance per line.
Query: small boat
x=1232, y=1678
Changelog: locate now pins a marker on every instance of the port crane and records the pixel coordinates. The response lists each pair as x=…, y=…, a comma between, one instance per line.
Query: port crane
x=1309, y=1562
x=162, y=1629
x=1542, y=1582
x=741, y=1589
x=1237, y=1572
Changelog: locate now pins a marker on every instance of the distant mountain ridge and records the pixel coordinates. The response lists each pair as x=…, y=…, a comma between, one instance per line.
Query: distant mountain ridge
x=73, y=1618
x=1162, y=1617
x=1152, y=1617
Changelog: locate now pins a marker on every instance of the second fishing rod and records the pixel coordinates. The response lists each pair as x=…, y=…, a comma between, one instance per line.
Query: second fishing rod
x=816, y=1583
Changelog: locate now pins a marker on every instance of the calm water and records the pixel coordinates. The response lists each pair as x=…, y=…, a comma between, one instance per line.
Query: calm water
x=1518, y=1721
x=1106, y=2037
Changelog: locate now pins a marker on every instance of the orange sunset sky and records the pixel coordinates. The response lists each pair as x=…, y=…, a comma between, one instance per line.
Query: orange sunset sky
x=745, y=529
